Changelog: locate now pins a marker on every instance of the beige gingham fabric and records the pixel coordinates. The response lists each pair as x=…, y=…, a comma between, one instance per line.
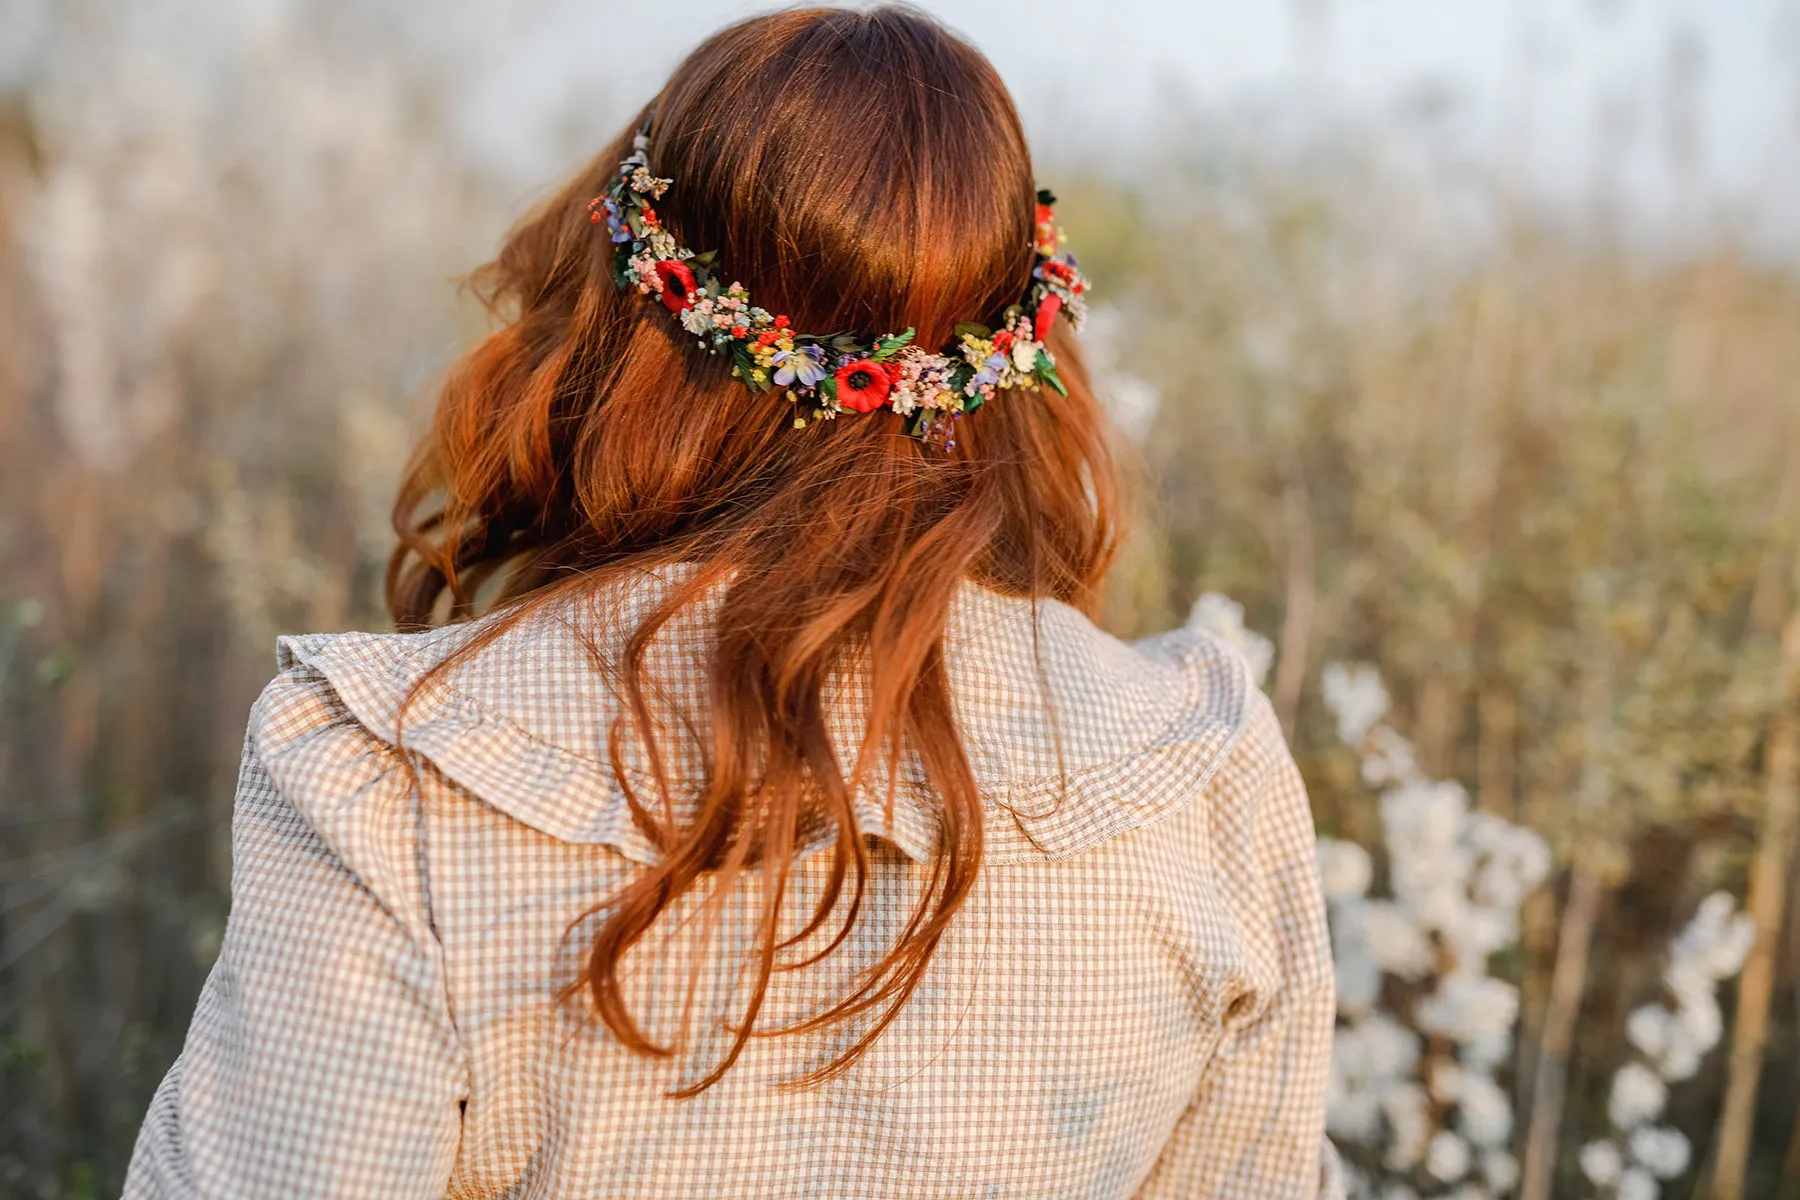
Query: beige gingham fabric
x=1136, y=1001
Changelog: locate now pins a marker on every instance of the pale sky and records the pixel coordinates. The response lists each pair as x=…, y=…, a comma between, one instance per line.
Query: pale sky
x=1677, y=108
x=1681, y=111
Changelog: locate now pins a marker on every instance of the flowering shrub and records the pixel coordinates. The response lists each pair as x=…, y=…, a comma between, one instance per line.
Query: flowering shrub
x=1424, y=1030
x=1414, y=1098
x=1672, y=1040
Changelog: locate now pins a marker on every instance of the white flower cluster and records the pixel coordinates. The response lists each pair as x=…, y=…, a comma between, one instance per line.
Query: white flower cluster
x=1672, y=1041
x=1457, y=879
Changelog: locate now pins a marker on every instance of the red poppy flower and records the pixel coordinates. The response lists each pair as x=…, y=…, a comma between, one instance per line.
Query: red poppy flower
x=678, y=286
x=1048, y=307
x=863, y=385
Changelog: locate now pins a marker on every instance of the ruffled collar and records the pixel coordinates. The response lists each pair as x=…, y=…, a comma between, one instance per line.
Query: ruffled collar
x=1073, y=735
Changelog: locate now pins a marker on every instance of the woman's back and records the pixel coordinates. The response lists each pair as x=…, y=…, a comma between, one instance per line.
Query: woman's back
x=1136, y=999
x=768, y=819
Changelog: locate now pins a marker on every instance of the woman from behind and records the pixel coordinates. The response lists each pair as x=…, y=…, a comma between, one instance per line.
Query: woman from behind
x=748, y=806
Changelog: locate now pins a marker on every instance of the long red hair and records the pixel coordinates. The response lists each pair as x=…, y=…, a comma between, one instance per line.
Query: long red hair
x=859, y=171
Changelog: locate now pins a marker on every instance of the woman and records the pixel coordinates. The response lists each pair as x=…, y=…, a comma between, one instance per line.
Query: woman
x=751, y=809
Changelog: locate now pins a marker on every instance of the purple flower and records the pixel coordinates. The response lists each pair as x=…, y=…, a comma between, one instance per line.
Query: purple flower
x=989, y=374
x=804, y=363
x=618, y=229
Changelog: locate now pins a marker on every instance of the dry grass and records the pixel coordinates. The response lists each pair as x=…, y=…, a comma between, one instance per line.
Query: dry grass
x=1553, y=492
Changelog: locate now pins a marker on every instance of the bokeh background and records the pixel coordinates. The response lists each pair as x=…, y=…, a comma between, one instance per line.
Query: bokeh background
x=1459, y=339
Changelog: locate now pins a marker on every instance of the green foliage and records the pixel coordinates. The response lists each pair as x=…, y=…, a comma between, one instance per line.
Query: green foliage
x=887, y=347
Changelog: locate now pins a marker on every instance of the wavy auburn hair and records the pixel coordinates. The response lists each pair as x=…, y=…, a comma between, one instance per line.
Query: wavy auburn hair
x=857, y=171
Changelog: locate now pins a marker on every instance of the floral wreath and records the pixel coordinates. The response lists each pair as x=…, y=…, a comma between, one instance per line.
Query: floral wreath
x=826, y=374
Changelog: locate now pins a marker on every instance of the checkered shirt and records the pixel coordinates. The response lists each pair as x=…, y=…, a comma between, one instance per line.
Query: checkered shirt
x=1135, y=1001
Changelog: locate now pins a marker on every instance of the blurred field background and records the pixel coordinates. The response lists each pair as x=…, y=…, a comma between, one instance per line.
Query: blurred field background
x=1510, y=413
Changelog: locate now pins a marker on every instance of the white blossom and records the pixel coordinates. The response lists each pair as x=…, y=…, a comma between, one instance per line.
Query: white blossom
x=1661, y=1150
x=1448, y=1157
x=1447, y=1082
x=1700, y=1022
x=1715, y=942
x=1368, y=1058
x=1637, y=1184
x=1500, y=1169
x=1344, y=869
x=1638, y=1094
x=1484, y=1112
x=1409, y=1117
x=1466, y=1006
x=1602, y=1162
x=1375, y=1049
x=1356, y=697
x=1223, y=617
x=1475, y=933
x=1488, y=1050
x=1649, y=1029
x=1396, y=940
x=1514, y=861
x=1389, y=758
x=1353, y=1117
x=1423, y=815
x=1682, y=1061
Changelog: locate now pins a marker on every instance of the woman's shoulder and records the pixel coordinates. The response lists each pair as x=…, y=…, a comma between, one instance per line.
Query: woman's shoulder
x=1085, y=735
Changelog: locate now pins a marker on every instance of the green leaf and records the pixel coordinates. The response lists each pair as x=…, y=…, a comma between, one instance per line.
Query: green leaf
x=971, y=403
x=1046, y=371
x=827, y=388
x=746, y=365
x=705, y=260
x=972, y=329
x=1047, y=197
x=1012, y=311
x=887, y=347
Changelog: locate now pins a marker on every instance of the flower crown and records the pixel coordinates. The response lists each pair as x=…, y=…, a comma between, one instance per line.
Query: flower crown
x=826, y=374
